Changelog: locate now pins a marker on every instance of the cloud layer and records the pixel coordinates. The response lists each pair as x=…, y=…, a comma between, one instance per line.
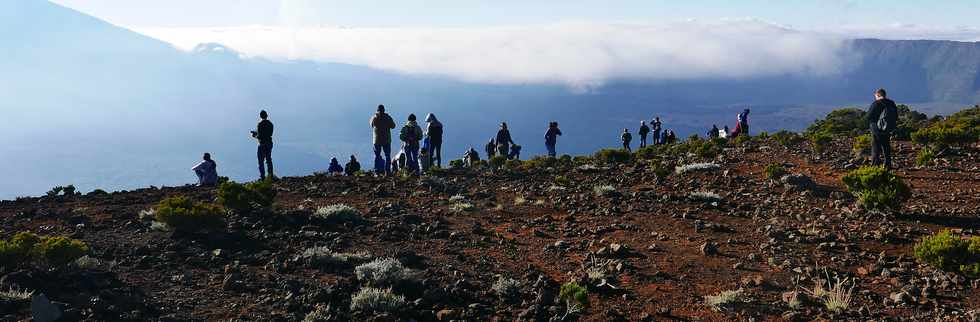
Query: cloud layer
x=582, y=55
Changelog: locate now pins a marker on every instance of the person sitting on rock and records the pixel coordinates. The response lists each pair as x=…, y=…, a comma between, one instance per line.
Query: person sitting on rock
x=335, y=168
x=207, y=172
x=352, y=167
x=515, y=152
x=471, y=157
x=713, y=132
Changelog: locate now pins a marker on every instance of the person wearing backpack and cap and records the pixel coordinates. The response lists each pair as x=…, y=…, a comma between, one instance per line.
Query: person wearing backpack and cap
x=627, y=138
x=382, y=124
x=883, y=118
x=410, y=135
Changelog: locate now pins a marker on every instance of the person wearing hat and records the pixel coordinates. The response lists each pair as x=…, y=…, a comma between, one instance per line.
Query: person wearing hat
x=382, y=123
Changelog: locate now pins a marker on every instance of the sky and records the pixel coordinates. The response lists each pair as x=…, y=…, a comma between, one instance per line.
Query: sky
x=798, y=14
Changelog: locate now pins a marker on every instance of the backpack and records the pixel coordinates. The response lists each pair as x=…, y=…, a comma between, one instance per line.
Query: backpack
x=409, y=134
x=887, y=119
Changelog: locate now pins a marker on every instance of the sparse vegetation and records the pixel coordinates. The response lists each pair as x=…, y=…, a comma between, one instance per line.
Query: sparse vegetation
x=320, y=313
x=376, y=300
x=820, y=141
x=497, y=162
x=707, y=167
x=862, y=145
x=506, y=288
x=604, y=190
x=877, y=189
x=949, y=252
x=323, y=256
x=63, y=191
x=339, y=213
x=384, y=272
x=612, y=156
x=575, y=297
x=775, y=171
x=925, y=157
x=836, y=295
x=787, y=138
x=183, y=214
x=15, y=295
x=244, y=199
x=705, y=196
x=725, y=301
x=958, y=129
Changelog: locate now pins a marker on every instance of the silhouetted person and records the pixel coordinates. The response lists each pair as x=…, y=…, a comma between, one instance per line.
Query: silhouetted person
x=263, y=133
x=655, y=127
x=883, y=118
x=627, y=138
x=644, y=131
x=491, y=149
x=551, y=138
x=503, y=140
x=743, y=122
x=410, y=136
x=725, y=132
x=434, y=132
x=515, y=152
x=713, y=132
x=382, y=124
x=352, y=167
x=207, y=172
x=335, y=168
x=471, y=157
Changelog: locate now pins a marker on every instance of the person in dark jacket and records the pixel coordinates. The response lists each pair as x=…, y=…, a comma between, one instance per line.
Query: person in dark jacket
x=335, y=168
x=411, y=134
x=515, y=152
x=655, y=126
x=471, y=157
x=352, y=167
x=263, y=133
x=207, y=172
x=627, y=138
x=503, y=140
x=434, y=132
x=382, y=124
x=644, y=130
x=883, y=118
x=491, y=149
x=551, y=138
x=713, y=132
x=743, y=123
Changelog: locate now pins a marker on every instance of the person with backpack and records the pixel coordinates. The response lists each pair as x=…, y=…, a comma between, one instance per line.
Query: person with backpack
x=627, y=138
x=207, y=172
x=471, y=157
x=433, y=131
x=655, y=126
x=382, y=124
x=410, y=136
x=263, y=133
x=503, y=140
x=335, y=168
x=883, y=119
x=515, y=152
x=743, y=122
x=644, y=131
x=713, y=132
x=352, y=167
x=491, y=149
x=424, y=158
x=551, y=138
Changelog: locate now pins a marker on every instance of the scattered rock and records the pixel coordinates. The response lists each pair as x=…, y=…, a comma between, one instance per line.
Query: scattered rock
x=42, y=310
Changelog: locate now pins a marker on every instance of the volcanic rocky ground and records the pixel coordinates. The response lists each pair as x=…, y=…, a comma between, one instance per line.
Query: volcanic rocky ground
x=661, y=251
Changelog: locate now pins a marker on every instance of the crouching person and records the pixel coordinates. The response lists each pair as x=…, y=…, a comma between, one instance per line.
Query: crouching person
x=207, y=172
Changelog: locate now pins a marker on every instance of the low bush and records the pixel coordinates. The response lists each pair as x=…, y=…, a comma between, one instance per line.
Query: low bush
x=183, y=214
x=877, y=189
x=246, y=198
x=925, y=157
x=575, y=297
x=513, y=164
x=775, y=171
x=840, y=122
x=726, y=300
x=376, y=300
x=456, y=164
x=323, y=256
x=820, y=141
x=384, y=272
x=497, y=162
x=961, y=128
x=950, y=252
x=742, y=140
x=604, y=190
x=613, y=156
x=339, y=213
x=26, y=247
x=648, y=152
x=506, y=288
x=541, y=162
x=787, y=138
x=862, y=144
x=707, y=167
x=66, y=191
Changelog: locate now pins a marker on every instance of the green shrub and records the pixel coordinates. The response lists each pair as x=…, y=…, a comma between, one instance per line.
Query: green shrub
x=648, y=152
x=576, y=297
x=820, y=141
x=183, y=214
x=787, y=138
x=742, y=140
x=925, y=157
x=961, y=128
x=541, y=162
x=497, y=162
x=25, y=247
x=706, y=149
x=775, y=171
x=877, y=188
x=246, y=198
x=841, y=122
x=562, y=180
x=581, y=160
x=613, y=156
x=950, y=252
x=456, y=164
x=513, y=164
x=662, y=170
x=862, y=144
x=60, y=250
x=763, y=135
x=566, y=161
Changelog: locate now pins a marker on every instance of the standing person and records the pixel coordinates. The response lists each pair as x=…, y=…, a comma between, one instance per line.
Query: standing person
x=352, y=167
x=743, y=122
x=551, y=138
x=434, y=132
x=627, y=138
x=655, y=127
x=504, y=140
x=410, y=136
x=724, y=132
x=491, y=149
x=207, y=172
x=382, y=123
x=515, y=152
x=644, y=130
x=713, y=132
x=882, y=116
x=263, y=133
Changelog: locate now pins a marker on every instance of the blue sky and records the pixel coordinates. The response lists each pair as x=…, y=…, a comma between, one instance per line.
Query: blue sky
x=802, y=14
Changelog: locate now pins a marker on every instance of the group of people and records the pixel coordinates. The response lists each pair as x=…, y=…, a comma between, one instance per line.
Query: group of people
x=422, y=148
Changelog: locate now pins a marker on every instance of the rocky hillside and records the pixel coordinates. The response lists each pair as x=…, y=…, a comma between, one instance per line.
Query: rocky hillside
x=718, y=241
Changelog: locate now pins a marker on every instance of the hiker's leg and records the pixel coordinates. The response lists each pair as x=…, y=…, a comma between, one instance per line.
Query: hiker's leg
x=268, y=160
x=258, y=154
x=378, y=160
x=886, y=149
x=875, y=149
x=387, y=151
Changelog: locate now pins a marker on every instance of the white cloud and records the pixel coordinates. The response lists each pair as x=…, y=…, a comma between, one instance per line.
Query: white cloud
x=899, y=31
x=578, y=54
